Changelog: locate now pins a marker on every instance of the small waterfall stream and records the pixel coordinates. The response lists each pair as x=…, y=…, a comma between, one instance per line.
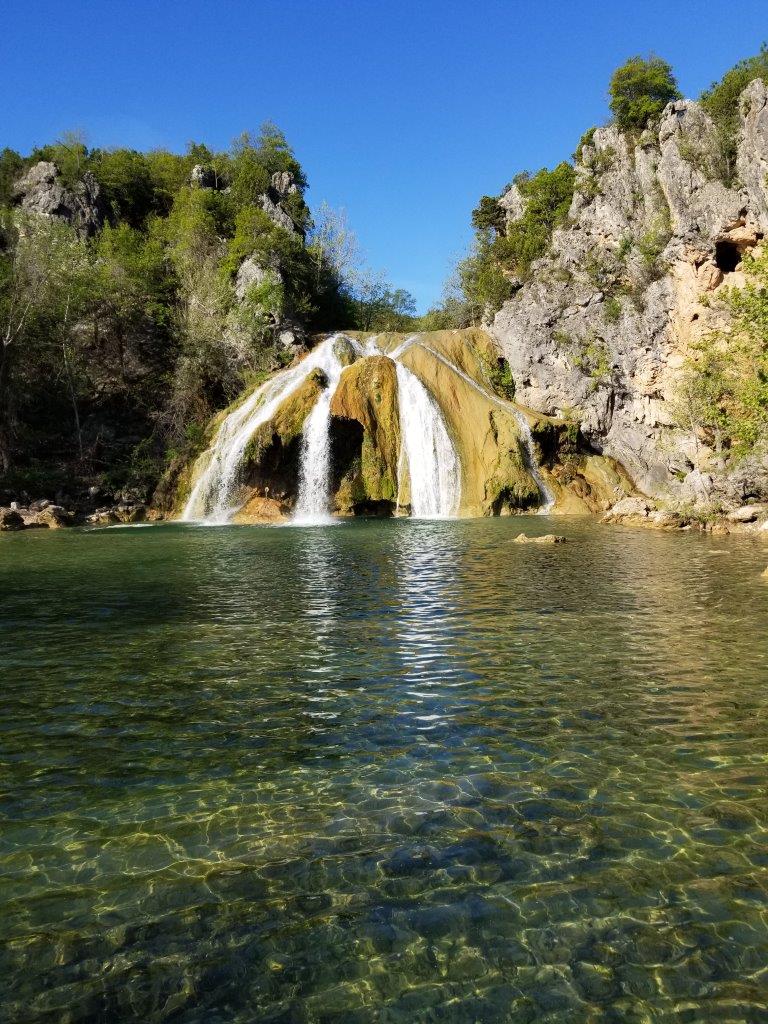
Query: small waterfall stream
x=548, y=498
x=433, y=465
x=315, y=468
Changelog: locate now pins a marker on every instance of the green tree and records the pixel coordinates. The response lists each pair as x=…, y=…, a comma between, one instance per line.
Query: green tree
x=639, y=91
x=721, y=102
x=127, y=181
x=11, y=167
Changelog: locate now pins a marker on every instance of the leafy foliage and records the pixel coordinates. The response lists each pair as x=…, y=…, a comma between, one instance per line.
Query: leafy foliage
x=639, y=90
x=721, y=102
x=723, y=394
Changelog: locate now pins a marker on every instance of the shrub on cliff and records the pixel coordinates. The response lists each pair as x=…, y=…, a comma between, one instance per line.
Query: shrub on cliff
x=721, y=102
x=639, y=91
x=724, y=389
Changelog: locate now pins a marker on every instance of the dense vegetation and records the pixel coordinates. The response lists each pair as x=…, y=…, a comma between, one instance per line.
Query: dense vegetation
x=118, y=344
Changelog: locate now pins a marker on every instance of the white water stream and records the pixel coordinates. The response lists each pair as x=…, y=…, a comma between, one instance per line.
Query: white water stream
x=214, y=498
x=433, y=466
x=313, y=500
x=548, y=498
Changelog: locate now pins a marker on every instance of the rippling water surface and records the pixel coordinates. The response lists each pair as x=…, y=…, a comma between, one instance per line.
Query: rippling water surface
x=383, y=772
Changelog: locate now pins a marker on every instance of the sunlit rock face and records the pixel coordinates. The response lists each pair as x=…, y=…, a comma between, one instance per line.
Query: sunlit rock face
x=601, y=329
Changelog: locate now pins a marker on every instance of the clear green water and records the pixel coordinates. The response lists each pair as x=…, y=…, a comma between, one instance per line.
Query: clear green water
x=383, y=772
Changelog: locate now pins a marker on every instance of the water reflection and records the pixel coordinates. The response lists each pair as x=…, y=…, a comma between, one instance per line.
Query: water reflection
x=383, y=772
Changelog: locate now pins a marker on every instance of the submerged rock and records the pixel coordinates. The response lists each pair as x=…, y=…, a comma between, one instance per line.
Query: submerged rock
x=548, y=538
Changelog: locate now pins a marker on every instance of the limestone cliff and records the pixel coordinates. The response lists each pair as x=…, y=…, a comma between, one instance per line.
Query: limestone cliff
x=600, y=329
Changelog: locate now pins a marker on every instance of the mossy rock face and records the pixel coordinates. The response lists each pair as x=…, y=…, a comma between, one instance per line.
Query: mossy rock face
x=272, y=455
x=509, y=487
x=365, y=437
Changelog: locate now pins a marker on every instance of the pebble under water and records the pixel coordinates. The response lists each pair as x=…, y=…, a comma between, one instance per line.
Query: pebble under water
x=383, y=772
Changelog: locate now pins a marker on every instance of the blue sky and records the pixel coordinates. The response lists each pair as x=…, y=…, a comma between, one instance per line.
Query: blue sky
x=403, y=113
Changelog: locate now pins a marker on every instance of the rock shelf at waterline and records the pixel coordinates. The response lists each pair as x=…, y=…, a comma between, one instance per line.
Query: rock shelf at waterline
x=386, y=425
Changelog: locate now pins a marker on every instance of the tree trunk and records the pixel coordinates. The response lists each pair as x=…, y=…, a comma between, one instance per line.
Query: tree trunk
x=5, y=413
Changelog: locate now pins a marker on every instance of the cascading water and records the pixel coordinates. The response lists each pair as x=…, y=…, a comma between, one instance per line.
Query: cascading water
x=433, y=465
x=214, y=498
x=315, y=467
x=548, y=498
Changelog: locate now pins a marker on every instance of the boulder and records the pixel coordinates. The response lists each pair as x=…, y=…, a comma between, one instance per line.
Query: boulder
x=54, y=517
x=10, y=520
x=344, y=350
x=548, y=538
x=746, y=514
x=41, y=191
x=629, y=509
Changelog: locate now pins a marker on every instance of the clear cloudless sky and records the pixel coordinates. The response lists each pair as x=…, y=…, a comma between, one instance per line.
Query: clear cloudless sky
x=403, y=113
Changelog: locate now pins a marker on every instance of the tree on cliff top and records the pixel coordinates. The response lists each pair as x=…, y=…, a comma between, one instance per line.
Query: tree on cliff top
x=639, y=91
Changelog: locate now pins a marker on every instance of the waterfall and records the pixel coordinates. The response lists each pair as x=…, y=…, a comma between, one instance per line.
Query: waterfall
x=529, y=453
x=433, y=465
x=214, y=498
x=315, y=468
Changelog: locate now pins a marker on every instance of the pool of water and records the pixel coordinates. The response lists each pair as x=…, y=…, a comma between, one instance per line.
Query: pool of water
x=383, y=772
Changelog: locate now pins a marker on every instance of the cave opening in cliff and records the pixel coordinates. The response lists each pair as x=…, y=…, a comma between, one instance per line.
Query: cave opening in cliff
x=727, y=255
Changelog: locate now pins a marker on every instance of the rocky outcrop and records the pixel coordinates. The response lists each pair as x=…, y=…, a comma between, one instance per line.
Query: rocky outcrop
x=42, y=191
x=10, y=520
x=365, y=437
x=273, y=204
x=54, y=517
x=599, y=332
